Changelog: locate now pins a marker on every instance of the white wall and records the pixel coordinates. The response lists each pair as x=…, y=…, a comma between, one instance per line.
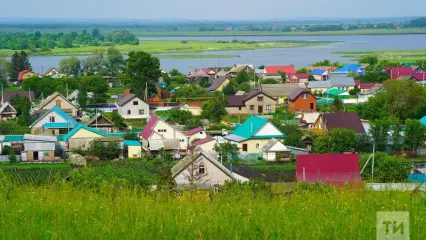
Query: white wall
x=134, y=109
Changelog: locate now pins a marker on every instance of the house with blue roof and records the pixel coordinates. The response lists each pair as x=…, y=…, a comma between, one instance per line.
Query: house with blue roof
x=82, y=136
x=253, y=134
x=350, y=68
x=55, y=121
x=132, y=149
x=320, y=74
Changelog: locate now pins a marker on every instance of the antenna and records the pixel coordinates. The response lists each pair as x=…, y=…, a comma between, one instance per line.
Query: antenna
x=2, y=94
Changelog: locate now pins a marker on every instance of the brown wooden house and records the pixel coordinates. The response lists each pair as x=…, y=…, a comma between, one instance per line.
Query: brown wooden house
x=101, y=123
x=302, y=100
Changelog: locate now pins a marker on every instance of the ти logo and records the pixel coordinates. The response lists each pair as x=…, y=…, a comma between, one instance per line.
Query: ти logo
x=393, y=225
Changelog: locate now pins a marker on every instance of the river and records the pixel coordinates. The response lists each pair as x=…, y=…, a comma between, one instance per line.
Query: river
x=300, y=57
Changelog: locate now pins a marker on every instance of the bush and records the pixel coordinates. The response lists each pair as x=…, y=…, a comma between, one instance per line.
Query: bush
x=105, y=151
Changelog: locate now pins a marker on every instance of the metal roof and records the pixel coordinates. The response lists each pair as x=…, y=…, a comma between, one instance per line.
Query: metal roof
x=132, y=143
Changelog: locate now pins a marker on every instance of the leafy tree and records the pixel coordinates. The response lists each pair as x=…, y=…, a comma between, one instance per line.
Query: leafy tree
x=269, y=81
x=174, y=72
x=178, y=116
x=105, y=151
x=396, y=135
x=82, y=95
x=293, y=133
x=131, y=136
x=374, y=108
x=142, y=70
x=12, y=158
x=215, y=108
x=205, y=83
x=95, y=33
x=403, y=98
x=226, y=149
x=363, y=143
x=70, y=66
x=379, y=132
x=19, y=62
x=242, y=77
x=261, y=67
x=283, y=75
x=326, y=62
x=375, y=77
x=95, y=63
x=311, y=77
x=387, y=169
x=191, y=91
x=371, y=61
x=228, y=90
x=118, y=120
x=4, y=70
x=22, y=105
x=114, y=61
x=414, y=134
x=302, y=70
x=337, y=105
x=99, y=87
x=337, y=140
x=244, y=87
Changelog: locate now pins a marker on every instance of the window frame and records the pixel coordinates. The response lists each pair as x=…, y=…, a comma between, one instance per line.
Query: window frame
x=202, y=169
x=137, y=103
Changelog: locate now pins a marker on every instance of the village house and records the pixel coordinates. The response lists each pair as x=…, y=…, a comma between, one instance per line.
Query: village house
x=298, y=78
x=82, y=136
x=238, y=68
x=302, y=100
x=254, y=103
x=320, y=74
x=195, y=134
x=275, y=71
x=54, y=73
x=196, y=75
x=275, y=151
x=201, y=170
x=334, y=169
x=219, y=84
x=326, y=68
x=7, y=96
x=59, y=101
x=38, y=148
x=308, y=120
x=55, y=122
x=280, y=92
x=25, y=74
x=131, y=107
x=337, y=81
x=207, y=144
x=329, y=121
x=158, y=134
x=348, y=68
x=100, y=122
x=253, y=134
x=7, y=111
x=15, y=142
x=132, y=149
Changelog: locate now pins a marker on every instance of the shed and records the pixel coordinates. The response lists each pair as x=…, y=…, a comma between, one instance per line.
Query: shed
x=274, y=150
x=132, y=149
x=38, y=148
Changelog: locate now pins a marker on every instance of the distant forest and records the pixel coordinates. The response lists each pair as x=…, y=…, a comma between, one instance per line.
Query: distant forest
x=47, y=41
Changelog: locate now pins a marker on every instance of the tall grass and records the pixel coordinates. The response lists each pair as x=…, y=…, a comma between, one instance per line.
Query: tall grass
x=60, y=211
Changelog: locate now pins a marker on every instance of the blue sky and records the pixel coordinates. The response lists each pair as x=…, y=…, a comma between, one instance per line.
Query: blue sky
x=211, y=9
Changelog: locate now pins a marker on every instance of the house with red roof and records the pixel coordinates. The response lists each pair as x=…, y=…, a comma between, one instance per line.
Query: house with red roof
x=24, y=74
x=275, y=71
x=397, y=72
x=298, y=77
x=207, y=144
x=334, y=169
x=160, y=134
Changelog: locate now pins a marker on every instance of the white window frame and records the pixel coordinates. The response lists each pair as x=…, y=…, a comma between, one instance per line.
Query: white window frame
x=304, y=95
x=52, y=119
x=268, y=107
x=202, y=169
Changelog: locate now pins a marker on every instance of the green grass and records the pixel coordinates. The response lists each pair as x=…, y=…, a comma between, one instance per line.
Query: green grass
x=175, y=47
x=391, y=55
x=63, y=212
x=261, y=168
x=136, y=123
x=6, y=165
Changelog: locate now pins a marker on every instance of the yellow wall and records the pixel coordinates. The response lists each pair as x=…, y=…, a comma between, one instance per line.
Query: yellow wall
x=317, y=128
x=134, y=151
x=28, y=75
x=83, y=133
x=222, y=86
x=251, y=145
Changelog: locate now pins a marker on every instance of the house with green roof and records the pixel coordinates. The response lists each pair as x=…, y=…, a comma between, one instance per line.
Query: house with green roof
x=253, y=134
x=55, y=121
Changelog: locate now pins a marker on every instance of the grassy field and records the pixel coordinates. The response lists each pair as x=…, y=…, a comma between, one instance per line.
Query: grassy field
x=60, y=211
x=139, y=33
x=391, y=55
x=175, y=47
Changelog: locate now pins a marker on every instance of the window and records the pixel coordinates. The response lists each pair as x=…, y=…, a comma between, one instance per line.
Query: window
x=320, y=126
x=268, y=107
x=162, y=130
x=135, y=103
x=182, y=140
x=239, y=108
x=201, y=169
x=141, y=112
x=51, y=119
x=286, y=101
x=58, y=103
x=257, y=145
x=129, y=112
x=260, y=98
x=201, y=132
x=305, y=96
x=251, y=107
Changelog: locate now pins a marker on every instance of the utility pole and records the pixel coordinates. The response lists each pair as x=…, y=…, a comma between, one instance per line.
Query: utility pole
x=372, y=165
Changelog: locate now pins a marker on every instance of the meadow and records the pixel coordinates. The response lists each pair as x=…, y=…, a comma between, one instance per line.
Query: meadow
x=165, y=46
x=390, y=55
x=61, y=211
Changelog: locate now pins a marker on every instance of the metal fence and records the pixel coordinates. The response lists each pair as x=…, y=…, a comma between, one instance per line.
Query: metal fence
x=5, y=158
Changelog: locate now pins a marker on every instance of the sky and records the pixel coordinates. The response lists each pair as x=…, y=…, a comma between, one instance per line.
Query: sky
x=211, y=9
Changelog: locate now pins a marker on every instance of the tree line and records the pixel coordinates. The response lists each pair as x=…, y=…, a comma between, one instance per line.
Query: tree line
x=47, y=41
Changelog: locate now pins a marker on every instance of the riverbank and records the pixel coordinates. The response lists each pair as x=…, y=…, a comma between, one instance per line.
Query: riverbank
x=271, y=33
x=173, y=46
x=390, y=55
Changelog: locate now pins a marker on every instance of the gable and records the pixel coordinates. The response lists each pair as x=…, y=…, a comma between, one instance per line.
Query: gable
x=46, y=118
x=84, y=133
x=278, y=147
x=268, y=130
x=170, y=133
x=7, y=108
x=129, y=103
x=64, y=103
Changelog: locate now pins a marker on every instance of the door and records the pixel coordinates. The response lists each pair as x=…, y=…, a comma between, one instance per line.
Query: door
x=245, y=147
x=35, y=155
x=259, y=109
x=312, y=106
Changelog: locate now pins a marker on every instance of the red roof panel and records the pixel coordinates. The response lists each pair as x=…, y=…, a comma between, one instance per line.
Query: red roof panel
x=202, y=141
x=149, y=128
x=289, y=69
x=193, y=131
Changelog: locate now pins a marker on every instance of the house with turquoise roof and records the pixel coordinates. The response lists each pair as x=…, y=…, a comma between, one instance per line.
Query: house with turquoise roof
x=82, y=136
x=253, y=134
x=55, y=122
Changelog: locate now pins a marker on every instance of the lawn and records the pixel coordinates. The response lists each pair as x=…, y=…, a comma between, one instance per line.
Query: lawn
x=6, y=165
x=391, y=55
x=176, y=47
x=61, y=211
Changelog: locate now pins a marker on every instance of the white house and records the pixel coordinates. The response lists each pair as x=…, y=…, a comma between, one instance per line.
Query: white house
x=207, y=144
x=54, y=121
x=275, y=150
x=203, y=170
x=131, y=107
x=57, y=100
x=195, y=134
